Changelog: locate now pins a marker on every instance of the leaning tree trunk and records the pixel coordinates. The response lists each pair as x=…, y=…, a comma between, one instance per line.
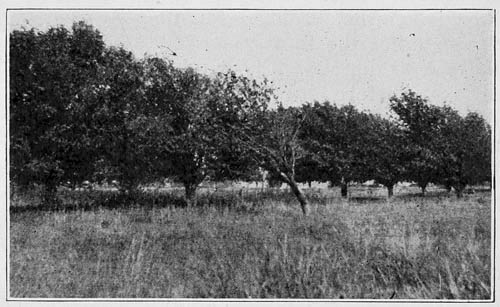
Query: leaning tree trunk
x=304, y=204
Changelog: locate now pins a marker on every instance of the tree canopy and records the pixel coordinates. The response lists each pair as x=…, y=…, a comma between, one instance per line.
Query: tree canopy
x=81, y=110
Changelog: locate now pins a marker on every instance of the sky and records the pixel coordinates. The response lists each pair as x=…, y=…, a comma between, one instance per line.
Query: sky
x=357, y=57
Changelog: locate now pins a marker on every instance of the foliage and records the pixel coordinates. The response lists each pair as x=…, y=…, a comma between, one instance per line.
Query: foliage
x=278, y=148
x=121, y=155
x=264, y=137
x=83, y=111
x=387, y=146
x=465, y=148
x=441, y=145
x=477, y=145
x=177, y=110
x=50, y=126
x=190, y=114
x=420, y=122
x=337, y=137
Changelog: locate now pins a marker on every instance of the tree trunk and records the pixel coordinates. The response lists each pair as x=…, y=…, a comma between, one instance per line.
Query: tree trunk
x=127, y=186
x=190, y=196
x=123, y=190
x=448, y=188
x=50, y=195
x=459, y=190
x=343, y=188
x=422, y=187
x=304, y=205
x=309, y=183
x=129, y=193
x=390, y=191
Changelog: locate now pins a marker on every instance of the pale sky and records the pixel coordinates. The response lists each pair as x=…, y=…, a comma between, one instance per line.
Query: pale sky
x=358, y=57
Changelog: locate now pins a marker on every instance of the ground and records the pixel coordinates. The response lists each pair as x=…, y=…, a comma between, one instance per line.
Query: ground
x=256, y=245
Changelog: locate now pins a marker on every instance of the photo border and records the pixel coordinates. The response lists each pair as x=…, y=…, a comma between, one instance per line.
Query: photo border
x=231, y=300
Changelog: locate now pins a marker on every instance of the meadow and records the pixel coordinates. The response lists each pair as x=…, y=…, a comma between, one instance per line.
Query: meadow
x=253, y=244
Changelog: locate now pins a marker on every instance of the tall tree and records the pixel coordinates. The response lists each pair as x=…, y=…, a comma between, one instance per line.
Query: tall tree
x=316, y=135
x=465, y=150
x=118, y=93
x=269, y=137
x=279, y=149
x=283, y=150
x=50, y=73
x=420, y=122
x=178, y=108
x=388, y=147
x=190, y=112
x=478, y=144
x=337, y=136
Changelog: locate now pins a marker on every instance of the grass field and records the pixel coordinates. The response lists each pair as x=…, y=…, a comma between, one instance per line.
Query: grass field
x=257, y=246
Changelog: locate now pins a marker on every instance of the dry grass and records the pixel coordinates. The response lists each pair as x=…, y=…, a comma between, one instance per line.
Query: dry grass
x=406, y=248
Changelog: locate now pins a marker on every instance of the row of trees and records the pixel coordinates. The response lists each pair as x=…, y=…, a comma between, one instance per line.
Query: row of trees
x=421, y=143
x=80, y=110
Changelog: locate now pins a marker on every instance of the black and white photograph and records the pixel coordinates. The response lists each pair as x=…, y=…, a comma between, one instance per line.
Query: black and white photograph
x=250, y=154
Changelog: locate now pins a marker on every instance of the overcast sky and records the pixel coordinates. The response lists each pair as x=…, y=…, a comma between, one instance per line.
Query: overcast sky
x=358, y=57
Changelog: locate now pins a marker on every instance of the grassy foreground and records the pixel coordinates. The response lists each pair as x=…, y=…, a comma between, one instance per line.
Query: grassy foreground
x=406, y=248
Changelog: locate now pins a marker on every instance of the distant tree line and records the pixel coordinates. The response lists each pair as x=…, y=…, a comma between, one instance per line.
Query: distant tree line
x=80, y=110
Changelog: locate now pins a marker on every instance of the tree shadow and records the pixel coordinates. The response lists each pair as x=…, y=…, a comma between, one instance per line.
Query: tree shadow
x=367, y=199
x=96, y=200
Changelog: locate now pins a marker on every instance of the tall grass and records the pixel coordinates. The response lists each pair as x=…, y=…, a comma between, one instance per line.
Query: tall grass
x=407, y=248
